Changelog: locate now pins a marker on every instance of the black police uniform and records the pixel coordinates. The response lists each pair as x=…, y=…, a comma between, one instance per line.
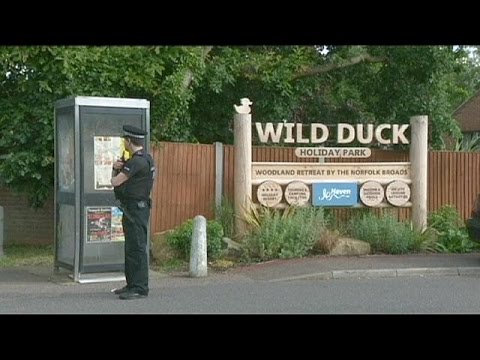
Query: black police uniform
x=134, y=195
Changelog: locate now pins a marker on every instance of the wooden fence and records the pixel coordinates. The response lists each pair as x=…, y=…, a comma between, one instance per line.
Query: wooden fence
x=185, y=182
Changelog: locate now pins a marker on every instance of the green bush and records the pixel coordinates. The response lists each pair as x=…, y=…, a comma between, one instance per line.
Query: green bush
x=181, y=238
x=287, y=235
x=225, y=214
x=384, y=234
x=452, y=235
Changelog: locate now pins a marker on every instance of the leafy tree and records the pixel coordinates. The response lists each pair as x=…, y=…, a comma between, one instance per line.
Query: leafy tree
x=192, y=91
x=355, y=84
x=33, y=78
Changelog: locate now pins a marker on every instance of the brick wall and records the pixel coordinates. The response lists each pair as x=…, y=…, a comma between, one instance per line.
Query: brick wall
x=24, y=225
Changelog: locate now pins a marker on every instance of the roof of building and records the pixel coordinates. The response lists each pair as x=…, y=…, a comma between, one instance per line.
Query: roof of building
x=468, y=114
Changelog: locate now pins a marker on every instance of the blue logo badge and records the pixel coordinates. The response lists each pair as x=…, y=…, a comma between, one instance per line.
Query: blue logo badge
x=334, y=194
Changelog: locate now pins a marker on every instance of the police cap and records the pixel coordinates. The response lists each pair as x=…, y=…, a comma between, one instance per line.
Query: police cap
x=134, y=132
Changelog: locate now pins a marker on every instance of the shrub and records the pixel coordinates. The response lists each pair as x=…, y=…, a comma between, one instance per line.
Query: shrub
x=287, y=235
x=181, y=238
x=452, y=235
x=225, y=214
x=384, y=234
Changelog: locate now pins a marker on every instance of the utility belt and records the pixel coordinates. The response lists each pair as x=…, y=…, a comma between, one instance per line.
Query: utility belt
x=133, y=204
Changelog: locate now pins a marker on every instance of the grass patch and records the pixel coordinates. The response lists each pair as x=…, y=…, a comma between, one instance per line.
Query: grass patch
x=27, y=255
x=170, y=265
x=221, y=264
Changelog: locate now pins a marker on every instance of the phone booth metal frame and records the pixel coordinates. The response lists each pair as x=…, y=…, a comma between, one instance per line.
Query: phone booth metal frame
x=88, y=236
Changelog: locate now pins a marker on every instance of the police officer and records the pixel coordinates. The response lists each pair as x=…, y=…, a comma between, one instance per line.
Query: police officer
x=132, y=181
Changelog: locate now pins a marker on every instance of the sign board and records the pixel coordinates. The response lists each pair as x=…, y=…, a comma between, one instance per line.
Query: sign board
x=332, y=152
x=297, y=193
x=290, y=133
x=372, y=193
x=269, y=193
x=330, y=171
x=397, y=193
x=335, y=194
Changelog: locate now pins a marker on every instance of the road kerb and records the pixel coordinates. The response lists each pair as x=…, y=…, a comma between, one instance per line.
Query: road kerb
x=370, y=273
x=384, y=273
x=325, y=275
x=428, y=271
x=469, y=270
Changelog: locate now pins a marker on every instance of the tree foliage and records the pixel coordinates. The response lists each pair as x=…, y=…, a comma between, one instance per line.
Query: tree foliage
x=33, y=78
x=192, y=91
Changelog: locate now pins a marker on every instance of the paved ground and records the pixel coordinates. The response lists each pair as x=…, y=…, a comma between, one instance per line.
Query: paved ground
x=332, y=267
x=435, y=283
x=326, y=267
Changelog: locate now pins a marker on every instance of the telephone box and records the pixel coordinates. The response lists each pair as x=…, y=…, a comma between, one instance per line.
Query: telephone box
x=89, y=237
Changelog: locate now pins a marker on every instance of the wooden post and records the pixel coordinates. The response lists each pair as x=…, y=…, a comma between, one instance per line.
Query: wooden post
x=419, y=164
x=218, y=176
x=242, y=122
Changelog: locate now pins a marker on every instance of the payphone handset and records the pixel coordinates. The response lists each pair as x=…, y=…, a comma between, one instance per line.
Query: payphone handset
x=124, y=156
x=125, y=153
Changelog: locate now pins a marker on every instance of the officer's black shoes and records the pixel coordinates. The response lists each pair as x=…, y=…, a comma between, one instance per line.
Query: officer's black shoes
x=120, y=290
x=130, y=295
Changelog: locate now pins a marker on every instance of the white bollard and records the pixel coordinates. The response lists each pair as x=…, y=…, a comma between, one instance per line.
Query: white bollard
x=198, y=248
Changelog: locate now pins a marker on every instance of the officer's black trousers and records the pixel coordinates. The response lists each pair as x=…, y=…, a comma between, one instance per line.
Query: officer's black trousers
x=135, y=223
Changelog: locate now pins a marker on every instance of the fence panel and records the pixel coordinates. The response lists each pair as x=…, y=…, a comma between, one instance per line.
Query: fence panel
x=185, y=183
